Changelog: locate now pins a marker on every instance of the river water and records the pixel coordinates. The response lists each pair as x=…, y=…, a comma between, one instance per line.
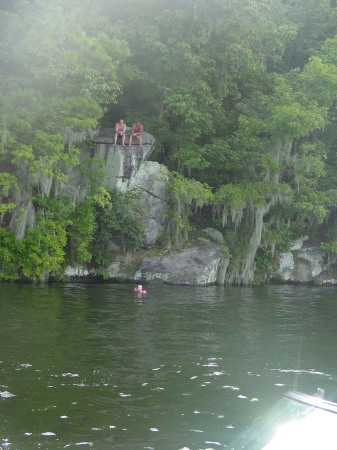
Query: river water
x=93, y=366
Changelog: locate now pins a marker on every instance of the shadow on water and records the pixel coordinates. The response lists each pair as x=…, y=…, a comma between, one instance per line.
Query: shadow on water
x=183, y=367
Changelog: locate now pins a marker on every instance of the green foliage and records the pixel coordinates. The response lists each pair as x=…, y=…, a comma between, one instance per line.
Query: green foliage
x=189, y=191
x=240, y=95
x=59, y=69
x=329, y=246
x=263, y=266
x=50, y=156
x=186, y=195
x=8, y=182
x=320, y=80
x=10, y=255
x=81, y=231
x=36, y=256
x=45, y=244
x=119, y=222
x=230, y=196
x=44, y=249
x=315, y=22
x=83, y=236
x=235, y=198
x=277, y=238
x=83, y=226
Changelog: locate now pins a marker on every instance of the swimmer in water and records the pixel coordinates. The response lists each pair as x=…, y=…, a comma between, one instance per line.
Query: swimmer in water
x=139, y=290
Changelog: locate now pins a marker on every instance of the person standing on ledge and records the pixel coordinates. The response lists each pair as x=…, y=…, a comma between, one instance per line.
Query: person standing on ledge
x=120, y=130
x=136, y=131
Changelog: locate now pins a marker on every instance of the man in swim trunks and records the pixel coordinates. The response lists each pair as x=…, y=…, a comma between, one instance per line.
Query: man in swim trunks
x=136, y=131
x=120, y=130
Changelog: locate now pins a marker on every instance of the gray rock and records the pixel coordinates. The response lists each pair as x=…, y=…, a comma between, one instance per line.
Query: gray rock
x=77, y=271
x=286, y=266
x=193, y=266
x=121, y=162
x=312, y=259
x=214, y=235
x=126, y=167
x=153, y=231
x=301, y=265
x=151, y=178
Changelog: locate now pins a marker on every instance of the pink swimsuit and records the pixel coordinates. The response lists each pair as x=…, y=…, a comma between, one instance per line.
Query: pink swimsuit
x=136, y=291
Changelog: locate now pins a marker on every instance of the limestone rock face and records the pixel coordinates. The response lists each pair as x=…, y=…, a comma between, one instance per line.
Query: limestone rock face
x=121, y=162
x=193, y=266
x=309, y=264
x=127, y=167
x=150, y=178
x=214, y=235
x=306, y=265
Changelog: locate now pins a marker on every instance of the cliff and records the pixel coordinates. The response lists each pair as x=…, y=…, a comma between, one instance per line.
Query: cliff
x=206, y=259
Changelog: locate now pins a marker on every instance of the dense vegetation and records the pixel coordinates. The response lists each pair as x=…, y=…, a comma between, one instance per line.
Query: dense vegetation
x=240, y=95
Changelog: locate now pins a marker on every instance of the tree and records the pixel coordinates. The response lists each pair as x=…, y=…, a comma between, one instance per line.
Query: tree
x=60, y=65
x=186, y=196
x=231, y=112
x=53, y=90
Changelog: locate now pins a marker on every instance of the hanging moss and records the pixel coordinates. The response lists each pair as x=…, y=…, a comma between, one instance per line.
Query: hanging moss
x=72, y=137
x=186, y=196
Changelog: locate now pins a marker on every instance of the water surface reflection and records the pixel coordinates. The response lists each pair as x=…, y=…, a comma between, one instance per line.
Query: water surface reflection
x=184, y=367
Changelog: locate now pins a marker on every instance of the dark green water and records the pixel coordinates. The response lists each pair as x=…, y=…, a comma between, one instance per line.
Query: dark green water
x=91, y=366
